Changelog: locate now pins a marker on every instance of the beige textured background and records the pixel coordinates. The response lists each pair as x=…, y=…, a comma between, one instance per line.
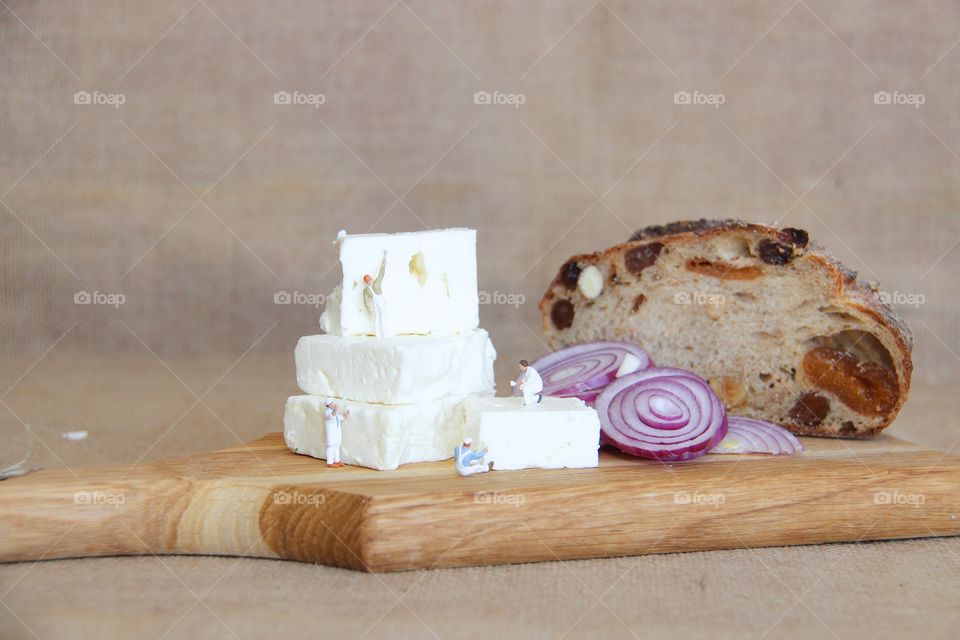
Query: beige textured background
x=106, y=199
x=198, y=199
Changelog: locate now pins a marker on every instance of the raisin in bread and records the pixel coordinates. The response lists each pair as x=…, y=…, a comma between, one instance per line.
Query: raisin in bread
x=782, y=331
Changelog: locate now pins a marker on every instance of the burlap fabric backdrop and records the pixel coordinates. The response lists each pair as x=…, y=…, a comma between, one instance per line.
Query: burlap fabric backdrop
x=180, y=166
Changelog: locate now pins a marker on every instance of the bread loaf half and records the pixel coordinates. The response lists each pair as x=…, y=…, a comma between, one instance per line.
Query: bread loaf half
x=782, y=331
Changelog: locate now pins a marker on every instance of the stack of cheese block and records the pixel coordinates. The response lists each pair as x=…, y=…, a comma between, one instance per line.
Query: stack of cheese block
x=415, y=392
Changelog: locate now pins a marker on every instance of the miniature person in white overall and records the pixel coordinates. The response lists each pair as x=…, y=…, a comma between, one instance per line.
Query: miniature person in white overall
x=373, y=299
x=333, y=431
x=468, y=461
x=529, y=384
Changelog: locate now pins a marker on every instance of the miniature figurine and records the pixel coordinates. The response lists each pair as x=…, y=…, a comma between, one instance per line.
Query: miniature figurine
x=469, y=462
x=331, y=425
x=529, y=384
x=373, y=299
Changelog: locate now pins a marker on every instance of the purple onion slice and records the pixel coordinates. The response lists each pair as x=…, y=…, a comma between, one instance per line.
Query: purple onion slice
x=661, y=413
x=583, y=370
x=749, y=435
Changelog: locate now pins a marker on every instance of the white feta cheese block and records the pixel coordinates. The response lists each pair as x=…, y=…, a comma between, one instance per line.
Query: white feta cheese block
x=429, y=284
x=375, y=435
x=557, y=433
x=396, y=369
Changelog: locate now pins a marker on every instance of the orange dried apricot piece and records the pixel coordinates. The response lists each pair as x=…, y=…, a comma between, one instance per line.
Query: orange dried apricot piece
x=866, y=387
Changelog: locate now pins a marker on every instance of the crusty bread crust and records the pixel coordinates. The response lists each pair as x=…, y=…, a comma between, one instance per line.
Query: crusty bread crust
x=837, y=290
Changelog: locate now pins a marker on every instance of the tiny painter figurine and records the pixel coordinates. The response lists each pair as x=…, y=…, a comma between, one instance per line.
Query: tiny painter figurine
x=468, y=461
x=331, y=426
x=528, y=383
x=373, y=299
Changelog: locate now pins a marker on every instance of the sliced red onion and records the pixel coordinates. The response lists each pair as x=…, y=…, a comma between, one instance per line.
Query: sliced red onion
x=661, y=413
x=583, y=370
x=748, y=435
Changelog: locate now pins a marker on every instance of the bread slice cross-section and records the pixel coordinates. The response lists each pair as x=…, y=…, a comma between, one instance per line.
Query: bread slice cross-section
x=780, y=329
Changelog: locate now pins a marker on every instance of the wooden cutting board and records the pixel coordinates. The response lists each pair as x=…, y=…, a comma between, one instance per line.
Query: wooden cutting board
x=260, y=500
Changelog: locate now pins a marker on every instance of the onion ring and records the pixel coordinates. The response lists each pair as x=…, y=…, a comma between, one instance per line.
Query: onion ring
x=662, y=414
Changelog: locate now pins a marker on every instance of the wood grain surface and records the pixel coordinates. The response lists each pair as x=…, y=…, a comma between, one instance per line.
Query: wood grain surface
x=260, y=500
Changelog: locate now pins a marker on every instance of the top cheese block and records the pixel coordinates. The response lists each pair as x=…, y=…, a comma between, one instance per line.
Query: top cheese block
x=429, y=283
